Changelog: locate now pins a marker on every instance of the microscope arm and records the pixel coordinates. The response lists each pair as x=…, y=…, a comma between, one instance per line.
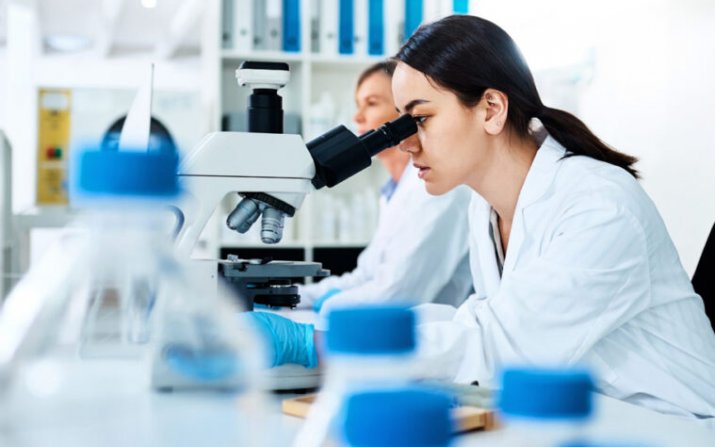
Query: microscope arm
x=225, y=162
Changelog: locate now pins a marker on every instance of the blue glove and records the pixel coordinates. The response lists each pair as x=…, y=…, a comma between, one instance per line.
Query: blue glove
x=318, y=304
x=291, y=342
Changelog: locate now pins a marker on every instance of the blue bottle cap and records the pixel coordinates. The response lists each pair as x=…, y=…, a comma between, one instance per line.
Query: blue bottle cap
x=126, y=174
x=410, y=416
x=536, y=393
x=371, y=330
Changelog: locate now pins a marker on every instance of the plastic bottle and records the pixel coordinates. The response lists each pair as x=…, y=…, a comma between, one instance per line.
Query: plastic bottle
x=128, y=222
x=545, y=407
x=367, y=347
x=399, y=417
x=114, y=293
x=91, y=295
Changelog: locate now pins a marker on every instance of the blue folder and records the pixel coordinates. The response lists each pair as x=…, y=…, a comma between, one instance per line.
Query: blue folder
x=460, y=6
x=291, y=26
x=413, y=16
x=375, y=28
x=346, y=23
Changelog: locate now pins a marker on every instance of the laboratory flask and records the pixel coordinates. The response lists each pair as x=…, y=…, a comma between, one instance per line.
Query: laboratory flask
x=367, y=347
x=545, y=406
x=109, y=314
x=125, y=198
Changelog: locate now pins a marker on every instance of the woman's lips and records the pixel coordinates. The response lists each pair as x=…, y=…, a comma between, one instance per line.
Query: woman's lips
x=423, y=170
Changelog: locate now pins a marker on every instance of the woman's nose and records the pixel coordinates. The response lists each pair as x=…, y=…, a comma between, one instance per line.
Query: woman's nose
x=358, y=118
x=410, y=145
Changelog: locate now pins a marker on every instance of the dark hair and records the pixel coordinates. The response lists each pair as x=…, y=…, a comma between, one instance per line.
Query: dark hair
x=387, y=67
x=467, y=55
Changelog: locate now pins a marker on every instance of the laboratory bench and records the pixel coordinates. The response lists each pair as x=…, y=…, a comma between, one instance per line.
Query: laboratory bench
x=90, y=412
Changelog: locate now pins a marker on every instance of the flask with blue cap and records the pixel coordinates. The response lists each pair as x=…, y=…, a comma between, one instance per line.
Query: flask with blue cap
x=545, y=406
x=124, y=199
x=113, y=289
x=408, y=416
x=186, y=333
x=366, y=347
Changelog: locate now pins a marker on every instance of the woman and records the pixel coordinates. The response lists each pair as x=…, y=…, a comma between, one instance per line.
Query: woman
x=570, y=260
x=398, y=264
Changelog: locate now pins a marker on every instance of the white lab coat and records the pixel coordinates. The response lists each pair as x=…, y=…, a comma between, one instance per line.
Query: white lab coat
x=590, y=277
x=419, y=252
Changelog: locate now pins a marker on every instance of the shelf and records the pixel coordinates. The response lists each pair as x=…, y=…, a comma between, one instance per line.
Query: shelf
x=50, y=216
x=272, y=56
x=315, y=58
x=121, y=72
x=345, y=60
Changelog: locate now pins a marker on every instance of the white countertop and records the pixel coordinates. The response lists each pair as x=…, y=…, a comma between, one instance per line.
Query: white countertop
x=108, y=403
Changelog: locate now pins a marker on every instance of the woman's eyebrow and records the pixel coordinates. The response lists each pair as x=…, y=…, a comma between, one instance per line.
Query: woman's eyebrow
x=412, y=104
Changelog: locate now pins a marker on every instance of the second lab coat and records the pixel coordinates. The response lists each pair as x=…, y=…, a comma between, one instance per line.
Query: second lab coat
x=591, y=277
x=419, y=252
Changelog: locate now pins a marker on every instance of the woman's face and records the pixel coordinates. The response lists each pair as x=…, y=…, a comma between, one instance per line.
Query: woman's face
x=373, y=99
x=375, y=107
x=450, y=146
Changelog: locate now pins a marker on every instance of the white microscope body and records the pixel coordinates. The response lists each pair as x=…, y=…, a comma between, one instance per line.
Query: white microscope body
x=240, y=162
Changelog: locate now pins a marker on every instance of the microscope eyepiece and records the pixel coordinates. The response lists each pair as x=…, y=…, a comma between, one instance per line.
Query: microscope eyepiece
x=339, y=153
x=389, y=134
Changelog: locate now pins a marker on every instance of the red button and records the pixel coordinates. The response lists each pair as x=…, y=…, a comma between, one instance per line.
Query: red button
x=50, y=153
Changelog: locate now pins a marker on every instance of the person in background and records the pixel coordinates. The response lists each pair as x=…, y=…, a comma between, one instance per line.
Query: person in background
x=418, y=253
x=572, y=263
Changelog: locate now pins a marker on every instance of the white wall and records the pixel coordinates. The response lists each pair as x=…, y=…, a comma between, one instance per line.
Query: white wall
x=653, y=95
x=651, y=92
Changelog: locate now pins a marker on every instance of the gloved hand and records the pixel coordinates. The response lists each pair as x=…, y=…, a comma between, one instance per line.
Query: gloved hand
x=318, y=304
x=291, y=342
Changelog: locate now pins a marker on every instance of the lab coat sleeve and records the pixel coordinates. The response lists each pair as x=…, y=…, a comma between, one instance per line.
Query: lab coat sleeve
x=591, y=276
x=311, y=292
x=419, y=260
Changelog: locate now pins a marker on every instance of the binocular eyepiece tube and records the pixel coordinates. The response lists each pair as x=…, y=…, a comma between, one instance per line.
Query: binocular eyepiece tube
x=339, y=153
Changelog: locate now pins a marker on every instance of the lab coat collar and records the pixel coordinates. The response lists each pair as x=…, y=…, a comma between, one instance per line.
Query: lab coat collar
x=538, y=180
x=541, y=173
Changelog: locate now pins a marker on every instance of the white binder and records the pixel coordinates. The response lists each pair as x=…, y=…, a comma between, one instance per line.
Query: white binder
x=243, y=25
x=274, y=25
x=394, y=13
x=434, y=10
x=360, y=27
x=329, y=27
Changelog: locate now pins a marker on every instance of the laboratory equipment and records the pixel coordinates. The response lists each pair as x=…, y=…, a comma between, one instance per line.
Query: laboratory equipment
x=125, y=195
x=545, y=406
x=200, y=341
x=53, y=144
x=399, y=417
x=92, y=292
x=358, y=358
x=267, y=282
x=160, y=138
x=271, y=171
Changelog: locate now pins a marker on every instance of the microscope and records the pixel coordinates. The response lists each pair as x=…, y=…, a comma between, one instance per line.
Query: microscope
x=272, y=172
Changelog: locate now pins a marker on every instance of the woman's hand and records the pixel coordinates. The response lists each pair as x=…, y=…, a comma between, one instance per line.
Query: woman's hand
x=291, y=342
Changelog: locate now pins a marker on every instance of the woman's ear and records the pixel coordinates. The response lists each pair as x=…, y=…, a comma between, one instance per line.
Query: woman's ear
x=496, y=104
